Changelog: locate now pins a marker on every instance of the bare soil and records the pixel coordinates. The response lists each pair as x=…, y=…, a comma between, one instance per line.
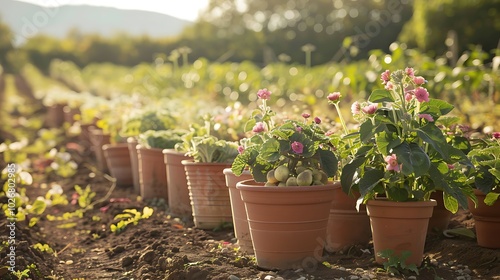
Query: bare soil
x=166, y=247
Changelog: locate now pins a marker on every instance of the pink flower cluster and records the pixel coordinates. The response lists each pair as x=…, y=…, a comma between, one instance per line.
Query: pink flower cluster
x=264, y=94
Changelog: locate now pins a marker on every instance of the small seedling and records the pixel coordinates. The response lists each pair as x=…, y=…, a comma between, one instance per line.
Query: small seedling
x=396, y=264
x=130, y=216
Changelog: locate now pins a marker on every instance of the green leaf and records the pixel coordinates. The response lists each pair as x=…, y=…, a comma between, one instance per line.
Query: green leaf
x=491, y=198
x=443, y=106
x=460, y=232
x=450, y=203
x=38, y=207
x=413, y=159
x=381, y=95
x=370, y=180
x=270, y=150
x=386, y=142
x=398, y=194
x=431, y=134
x=348, y=172
x=147, y=212
x=366, y=132
x=328, y=162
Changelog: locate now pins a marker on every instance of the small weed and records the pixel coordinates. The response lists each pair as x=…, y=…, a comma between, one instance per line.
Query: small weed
x=396, y=264
x=130, y=216
x=43, y=248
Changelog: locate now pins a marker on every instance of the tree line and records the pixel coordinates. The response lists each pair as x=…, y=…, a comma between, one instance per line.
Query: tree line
x=293, y=31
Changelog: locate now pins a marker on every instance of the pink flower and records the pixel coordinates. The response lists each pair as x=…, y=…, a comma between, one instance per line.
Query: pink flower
x=355, y=108
x=496, y=135
x=306, y=115
x=370, y=109
x=409, y=71
x=451, y=166
x=297, y=147
x=385, y=77
x=408, y=96
x=259, y=127
x=421, y=94
x=241, y=149
x=334, y=96
x=426, y=116
x=389, y=86
x=317, y=120
x=264, y=94
x=392, y=163
x=419, y=80
x=298, y=129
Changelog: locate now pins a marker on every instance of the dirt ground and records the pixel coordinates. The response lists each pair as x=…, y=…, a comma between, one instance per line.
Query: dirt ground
x=165, y=247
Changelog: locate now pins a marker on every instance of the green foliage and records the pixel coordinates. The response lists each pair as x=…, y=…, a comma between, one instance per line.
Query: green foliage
x=405, y=155
x=200, y=144
x=485, y=155
x=85, y=196
x=43, y=248
x=397, y=264
x=161, y=139
x=130, y=216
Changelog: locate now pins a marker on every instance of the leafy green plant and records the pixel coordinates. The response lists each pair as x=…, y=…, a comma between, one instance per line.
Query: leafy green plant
x=204, y=147
x=396, y=264
x=485, y=155
x=161, y=139
x=130, y=216
x=404, y=155
x=289, y=154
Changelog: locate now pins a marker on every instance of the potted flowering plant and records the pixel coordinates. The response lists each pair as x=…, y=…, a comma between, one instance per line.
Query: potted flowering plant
x=485, y=155
x=288, y=200
x=403, y=157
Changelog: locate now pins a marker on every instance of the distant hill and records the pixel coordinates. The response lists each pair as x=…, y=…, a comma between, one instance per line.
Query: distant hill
x=26, y=20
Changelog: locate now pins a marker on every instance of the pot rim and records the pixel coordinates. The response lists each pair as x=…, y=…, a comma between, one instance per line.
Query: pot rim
x=247, y=185
x=388, y=203
x=192, y=162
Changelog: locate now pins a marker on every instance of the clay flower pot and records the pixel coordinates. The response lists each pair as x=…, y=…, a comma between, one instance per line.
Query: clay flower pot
x=118, y=161
x=98, y=139
x=54, y=116
x=208, y=193
x=152, y=173
x=441, y=216
x=287, y=224
x=240, y=221
x=400, y=226
x=346, y=226
x=487, y=221
x=178, y=192
x=134, y=162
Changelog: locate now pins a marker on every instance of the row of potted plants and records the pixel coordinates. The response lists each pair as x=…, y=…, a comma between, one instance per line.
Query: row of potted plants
x=399, y=155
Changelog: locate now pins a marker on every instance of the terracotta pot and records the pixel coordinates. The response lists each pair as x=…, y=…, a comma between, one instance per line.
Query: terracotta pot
x=346, y=226
x=85, y=134
x=208, y=193
x=98, y=139
x=54, y=116
x=287, y=224
x=178, y=192
x=240, y=221
x=441, y=216
x=400, y=226
x=69, y=114
x=134, y=162
x=487, y=221
x=152, y=173
x=118, y=161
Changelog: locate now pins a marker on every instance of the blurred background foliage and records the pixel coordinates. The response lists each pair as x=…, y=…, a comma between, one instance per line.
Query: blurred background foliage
x=286, y=31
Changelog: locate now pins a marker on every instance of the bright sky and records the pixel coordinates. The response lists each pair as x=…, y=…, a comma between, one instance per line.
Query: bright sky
x=183, y=9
